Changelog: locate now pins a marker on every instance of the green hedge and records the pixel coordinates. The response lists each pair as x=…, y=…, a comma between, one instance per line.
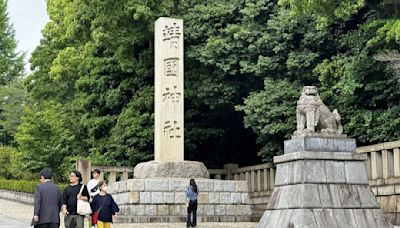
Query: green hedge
x=22, y=185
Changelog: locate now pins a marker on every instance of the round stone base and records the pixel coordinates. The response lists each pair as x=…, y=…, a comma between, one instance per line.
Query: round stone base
x=182, y=169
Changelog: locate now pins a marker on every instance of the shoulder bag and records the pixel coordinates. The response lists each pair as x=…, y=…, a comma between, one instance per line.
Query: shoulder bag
x=83, y=207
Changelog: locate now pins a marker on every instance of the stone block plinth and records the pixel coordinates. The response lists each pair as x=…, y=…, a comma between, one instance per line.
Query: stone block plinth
x=320, y=183
x=164, y=200
x=319, y=144
x=171, y=169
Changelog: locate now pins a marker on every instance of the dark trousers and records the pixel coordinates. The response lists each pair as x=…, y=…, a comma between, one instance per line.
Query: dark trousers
x=48, y=225
x=191, y=214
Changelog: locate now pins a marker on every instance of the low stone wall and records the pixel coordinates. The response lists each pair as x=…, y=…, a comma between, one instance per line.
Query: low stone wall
x=17, y=196
x=164, y=200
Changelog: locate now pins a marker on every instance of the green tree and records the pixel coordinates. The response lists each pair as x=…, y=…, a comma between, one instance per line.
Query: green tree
x=11, y=62
x=12, y=103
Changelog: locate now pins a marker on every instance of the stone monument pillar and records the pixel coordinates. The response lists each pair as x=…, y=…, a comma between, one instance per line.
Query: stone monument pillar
x=169, y=109
x=168, y=46
x=320, y=181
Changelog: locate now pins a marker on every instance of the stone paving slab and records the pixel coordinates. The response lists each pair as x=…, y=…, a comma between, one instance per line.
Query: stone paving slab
x=7, y=222
x=19, y=216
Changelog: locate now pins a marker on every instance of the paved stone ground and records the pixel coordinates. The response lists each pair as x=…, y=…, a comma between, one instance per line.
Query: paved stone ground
x=17, y=215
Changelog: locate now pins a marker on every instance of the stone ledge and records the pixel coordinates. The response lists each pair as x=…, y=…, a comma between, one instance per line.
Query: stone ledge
x=319, y=144
x=310, y=155
x=22, y=197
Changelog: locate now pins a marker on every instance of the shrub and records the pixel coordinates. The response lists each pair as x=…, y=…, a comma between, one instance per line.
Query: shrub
x=22, y=185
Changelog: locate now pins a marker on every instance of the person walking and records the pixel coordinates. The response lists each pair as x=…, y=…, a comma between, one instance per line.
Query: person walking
x=93, y=184
x=47, y=202
x=191, y=194
x=70, y=197
x=104, y=204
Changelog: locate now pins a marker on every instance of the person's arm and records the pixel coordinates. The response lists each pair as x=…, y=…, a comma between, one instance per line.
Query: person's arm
x=85, y=194
x=37, y=205
x=64, y=202
x=114, y=206
x=94, y=204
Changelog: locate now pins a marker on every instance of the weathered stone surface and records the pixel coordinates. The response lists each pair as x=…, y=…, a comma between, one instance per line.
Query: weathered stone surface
x=334, y=194
x=136, y=185
x=243, y=210
x=380, y=218
x=236, y=198
x=162, y=210
x=310, y=196
x=180, y=198
x=203, y=198
x=137, y=209
x=206, y=185
x=319, y=145
x=363, y=219
x=209, y=209
x=296, y=172
x=349, y=197
x=315, y=172
x=343, y=219
x=307, y=155
x=225, y=198
x=157, y=185
x=335, y=172
x=224, y=186
x=213, y=198
x=157, y=197
x=325, y=197
x=284, y=218
x=220, y=209
x=179, y=169
x=169, y=197
x=177, y=185
x=245, y=198
x=231, y=209
x=303, y=218
x=282, y=202
x=367, y=198
x=282, y=174
x=241, y=186
x=355, y=172
x=145, y=197
x=274, y=198
x=325, y=218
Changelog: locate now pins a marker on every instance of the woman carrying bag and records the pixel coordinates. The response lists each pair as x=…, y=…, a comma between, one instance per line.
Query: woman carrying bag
x=104, y=207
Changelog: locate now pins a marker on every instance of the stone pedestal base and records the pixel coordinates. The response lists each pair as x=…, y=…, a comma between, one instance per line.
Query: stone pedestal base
x=183, y=169
x=164, y=200
x=322, y=189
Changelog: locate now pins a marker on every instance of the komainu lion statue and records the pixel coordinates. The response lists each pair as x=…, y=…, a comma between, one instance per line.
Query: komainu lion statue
x=312, y=114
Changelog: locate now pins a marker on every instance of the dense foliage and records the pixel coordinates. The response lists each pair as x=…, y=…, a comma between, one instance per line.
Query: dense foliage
x=90, y=92
x=23, y=185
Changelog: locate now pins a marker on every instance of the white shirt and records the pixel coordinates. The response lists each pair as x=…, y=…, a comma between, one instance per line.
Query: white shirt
x=92, y=184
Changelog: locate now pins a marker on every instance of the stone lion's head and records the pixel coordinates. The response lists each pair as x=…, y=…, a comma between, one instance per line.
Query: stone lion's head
x=310, y=91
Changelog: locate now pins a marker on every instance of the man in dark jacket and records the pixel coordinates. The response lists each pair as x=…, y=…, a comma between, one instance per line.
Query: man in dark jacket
x=47, y=202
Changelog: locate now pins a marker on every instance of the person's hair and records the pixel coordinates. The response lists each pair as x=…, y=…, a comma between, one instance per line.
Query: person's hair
x=193, y=184
x=101, y=183
x=96, y=171
x=77, y=174
x=46, y=173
